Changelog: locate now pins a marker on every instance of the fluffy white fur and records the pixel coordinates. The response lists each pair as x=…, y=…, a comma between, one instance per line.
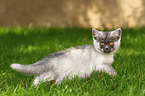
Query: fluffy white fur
x=80, y=61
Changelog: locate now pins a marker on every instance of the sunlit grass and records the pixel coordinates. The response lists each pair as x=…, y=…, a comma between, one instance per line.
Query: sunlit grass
x=28, y=45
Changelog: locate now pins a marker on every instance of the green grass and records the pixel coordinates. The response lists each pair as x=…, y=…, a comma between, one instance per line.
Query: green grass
x=28, y=45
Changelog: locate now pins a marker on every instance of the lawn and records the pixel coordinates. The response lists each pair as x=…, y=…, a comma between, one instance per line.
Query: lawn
x=28, y=45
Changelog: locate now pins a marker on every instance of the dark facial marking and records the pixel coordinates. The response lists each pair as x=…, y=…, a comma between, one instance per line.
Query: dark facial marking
x=106, y=43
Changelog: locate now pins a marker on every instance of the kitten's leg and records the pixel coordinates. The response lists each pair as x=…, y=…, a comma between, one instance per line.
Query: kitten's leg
x=107, y=69
x=59, y=79
x=47, y=76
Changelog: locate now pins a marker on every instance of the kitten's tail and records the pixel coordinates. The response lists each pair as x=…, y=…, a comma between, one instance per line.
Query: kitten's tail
x=31, y=69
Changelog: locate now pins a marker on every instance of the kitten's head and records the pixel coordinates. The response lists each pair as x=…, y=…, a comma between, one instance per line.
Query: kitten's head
x=106, y=42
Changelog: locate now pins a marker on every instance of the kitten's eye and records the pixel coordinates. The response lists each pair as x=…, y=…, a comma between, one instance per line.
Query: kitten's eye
x=111, y=43
x=102, y=44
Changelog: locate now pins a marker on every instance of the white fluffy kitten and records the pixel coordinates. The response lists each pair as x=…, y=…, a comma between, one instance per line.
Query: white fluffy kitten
x=80, y=60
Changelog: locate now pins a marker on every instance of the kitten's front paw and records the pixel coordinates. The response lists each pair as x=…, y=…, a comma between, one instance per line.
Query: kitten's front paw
x=113, y=73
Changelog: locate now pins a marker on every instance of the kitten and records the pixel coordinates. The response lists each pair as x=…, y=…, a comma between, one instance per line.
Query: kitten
x=80, y=60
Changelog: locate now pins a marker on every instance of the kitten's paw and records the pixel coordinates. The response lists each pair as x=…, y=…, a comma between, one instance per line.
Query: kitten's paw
x=113, y=73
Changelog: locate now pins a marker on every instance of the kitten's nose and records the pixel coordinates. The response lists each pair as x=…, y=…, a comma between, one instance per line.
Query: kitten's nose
x=106, y=49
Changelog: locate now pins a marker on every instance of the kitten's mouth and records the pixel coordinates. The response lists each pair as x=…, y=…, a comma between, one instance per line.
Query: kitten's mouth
x=106, y=50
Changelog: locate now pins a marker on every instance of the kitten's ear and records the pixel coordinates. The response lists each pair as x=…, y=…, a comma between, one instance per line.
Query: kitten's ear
x=117, y=33
x=96, y=34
